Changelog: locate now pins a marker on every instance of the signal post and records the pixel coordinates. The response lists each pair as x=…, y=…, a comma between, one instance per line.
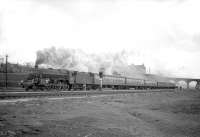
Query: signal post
x=101, y=80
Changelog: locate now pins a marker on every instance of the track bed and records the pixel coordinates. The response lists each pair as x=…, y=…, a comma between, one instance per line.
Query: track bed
x=23, y=94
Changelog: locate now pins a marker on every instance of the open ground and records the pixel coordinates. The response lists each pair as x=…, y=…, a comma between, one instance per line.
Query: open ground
x=169, y=114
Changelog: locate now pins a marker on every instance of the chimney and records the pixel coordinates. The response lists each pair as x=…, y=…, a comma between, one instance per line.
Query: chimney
x=36, y=66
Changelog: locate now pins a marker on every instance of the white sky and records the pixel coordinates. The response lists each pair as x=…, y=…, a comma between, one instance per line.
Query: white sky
x=162, y=34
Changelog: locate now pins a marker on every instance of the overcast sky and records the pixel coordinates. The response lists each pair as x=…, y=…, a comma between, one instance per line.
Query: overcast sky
x=162, y=34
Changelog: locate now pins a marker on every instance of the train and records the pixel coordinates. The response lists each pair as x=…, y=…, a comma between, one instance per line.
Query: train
x=47, y=79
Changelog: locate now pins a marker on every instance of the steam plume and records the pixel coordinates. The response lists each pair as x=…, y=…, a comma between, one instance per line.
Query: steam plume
x=78, y=60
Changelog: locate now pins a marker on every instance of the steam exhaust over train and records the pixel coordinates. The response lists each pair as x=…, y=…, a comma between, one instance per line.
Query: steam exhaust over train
x=71, y=75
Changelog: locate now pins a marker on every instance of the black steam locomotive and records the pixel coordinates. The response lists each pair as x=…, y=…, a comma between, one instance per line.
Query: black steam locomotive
x=73, y=80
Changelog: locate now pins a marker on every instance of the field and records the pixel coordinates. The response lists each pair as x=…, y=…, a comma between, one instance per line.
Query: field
x=170, y=114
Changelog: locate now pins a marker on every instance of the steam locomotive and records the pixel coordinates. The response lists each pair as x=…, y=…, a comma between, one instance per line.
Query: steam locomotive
x=47, y=79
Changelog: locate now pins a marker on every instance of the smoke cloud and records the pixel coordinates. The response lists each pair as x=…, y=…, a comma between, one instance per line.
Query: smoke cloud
x=1, y=29
x=71, y=59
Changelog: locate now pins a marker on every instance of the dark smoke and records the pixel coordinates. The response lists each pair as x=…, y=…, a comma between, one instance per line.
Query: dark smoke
x=78, y=60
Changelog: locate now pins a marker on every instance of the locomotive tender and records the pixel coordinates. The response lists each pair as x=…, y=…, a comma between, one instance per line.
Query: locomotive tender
x=74, y=80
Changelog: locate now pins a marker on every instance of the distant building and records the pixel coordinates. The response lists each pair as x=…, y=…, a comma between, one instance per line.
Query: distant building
x=16, y=68
x=139, y=69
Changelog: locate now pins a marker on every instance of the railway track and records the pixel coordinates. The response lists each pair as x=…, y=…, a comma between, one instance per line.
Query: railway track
x=16, y=95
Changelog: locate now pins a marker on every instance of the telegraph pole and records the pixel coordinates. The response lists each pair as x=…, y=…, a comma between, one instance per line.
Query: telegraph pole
x=6, y=71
